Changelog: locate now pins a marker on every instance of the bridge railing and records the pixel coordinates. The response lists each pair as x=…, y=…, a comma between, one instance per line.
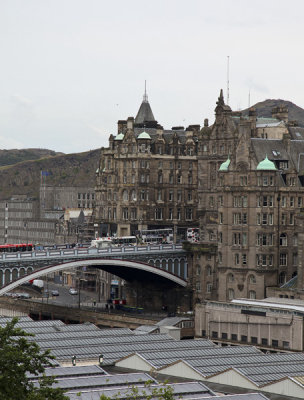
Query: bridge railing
x=66, y=253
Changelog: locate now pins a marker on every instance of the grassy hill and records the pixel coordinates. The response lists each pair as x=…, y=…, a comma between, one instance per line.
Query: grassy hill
x=263, y=108
x=63, y=170
x=10, y=157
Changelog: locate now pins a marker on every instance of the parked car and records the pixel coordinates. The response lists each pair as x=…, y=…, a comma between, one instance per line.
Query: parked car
x=73, y=291
x=55, y=292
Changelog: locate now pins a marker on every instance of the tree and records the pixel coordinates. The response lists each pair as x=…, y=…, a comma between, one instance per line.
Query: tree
x=20, y=357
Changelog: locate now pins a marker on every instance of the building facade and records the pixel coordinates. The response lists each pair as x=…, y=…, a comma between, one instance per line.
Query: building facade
x=250, y=189
x=147, y=178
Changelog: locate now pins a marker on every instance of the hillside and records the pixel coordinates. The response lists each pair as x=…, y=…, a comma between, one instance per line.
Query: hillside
x=10, y=157
x=295, y=113
x=62, y=170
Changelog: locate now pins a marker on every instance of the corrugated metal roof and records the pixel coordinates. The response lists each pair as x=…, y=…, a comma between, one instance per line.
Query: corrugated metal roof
x=180, y=390
x=60, y=372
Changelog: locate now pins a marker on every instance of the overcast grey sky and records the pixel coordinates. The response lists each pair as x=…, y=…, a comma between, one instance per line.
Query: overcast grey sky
x=71, y=68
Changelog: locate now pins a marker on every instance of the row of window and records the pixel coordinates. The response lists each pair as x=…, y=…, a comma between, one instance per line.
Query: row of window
x=244, y=339
x=145, y=178
x=208, y=287
x=144, y=195
x=261, y=201
x=87, y=196
x=159, y=213
x=144, y=164
x=158, y=149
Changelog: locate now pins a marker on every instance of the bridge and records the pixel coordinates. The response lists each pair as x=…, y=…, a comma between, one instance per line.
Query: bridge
x=157, y=271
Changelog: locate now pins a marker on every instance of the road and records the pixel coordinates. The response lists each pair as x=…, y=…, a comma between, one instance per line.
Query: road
x=84, y=297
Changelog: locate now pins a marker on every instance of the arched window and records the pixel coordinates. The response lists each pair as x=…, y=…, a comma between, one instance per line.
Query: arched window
x=125, y=195
x=252, y=279
x=283, y=239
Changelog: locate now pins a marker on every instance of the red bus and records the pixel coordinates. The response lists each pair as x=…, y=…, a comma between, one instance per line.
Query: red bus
x=12, y=248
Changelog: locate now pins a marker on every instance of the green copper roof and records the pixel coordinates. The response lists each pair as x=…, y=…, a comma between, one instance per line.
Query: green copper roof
x=144, y=135
x=224, y=166
x=120, y=136
x=266, y=165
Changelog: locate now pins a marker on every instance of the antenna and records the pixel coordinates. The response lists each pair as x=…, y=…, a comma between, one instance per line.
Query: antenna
x=249, y=99
x=227, y=80
x=145, y=95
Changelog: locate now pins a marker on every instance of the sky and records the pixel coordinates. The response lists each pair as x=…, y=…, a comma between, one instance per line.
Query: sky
x=70, y=69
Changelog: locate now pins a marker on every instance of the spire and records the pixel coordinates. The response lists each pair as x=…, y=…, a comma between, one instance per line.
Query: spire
x=145, y=99
x=145, y=115
x=220, y=101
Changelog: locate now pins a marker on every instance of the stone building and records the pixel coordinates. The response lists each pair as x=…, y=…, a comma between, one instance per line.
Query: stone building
x=147, y=177
x=268, y=323
x=53, y=198
x=250, y=188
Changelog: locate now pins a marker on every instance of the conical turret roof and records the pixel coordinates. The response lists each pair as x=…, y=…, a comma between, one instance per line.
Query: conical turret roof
x=145, y=114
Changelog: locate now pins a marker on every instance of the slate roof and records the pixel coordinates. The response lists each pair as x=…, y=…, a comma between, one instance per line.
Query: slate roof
x=145, y=113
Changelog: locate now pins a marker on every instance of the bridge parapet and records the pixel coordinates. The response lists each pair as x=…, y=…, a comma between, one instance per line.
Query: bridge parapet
x=78, y=252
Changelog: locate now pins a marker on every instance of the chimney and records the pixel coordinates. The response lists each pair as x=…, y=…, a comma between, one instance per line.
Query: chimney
x=280, y=112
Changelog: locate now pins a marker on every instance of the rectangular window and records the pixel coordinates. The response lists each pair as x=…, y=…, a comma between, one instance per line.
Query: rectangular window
x=275, y=343
x=224, y=335
x=299, y=201
x=291, y=219
x=220, y=201
x=171, y=195
x=291, y=201
x=125, y=213
x=237, y=259
x=264, y=342
x=244, y=259
x=214, y=334
x=254, y=340
x=189, y=214
x=178, y=214
x=158, y=213
x=283, y=259
x=243, y=180
x=179, y=195
x=170, y=216
x=133, y=213
x=114, y=213
x=221, y=218
x=234, y=337
x=244, y=338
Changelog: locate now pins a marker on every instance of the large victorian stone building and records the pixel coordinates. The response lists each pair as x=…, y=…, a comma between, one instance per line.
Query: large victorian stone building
x=250, y=192
x=147, y=178
x=241, y=180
